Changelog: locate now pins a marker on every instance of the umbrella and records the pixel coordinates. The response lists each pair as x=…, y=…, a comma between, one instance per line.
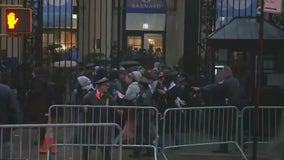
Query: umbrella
x=54, y=46
x=129, y=63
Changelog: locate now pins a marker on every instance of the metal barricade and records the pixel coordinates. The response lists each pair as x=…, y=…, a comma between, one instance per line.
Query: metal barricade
x=195, y=126
x=23, y=142
x=270, y=121
x=139, y=123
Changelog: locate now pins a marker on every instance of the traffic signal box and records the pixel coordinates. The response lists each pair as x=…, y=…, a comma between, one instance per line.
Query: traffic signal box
x=18, y=20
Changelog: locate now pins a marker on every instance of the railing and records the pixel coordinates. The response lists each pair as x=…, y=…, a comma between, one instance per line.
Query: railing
x=87, y=130
x=194, y=126
x=139, y=123
x=271, y=120
x=23, y=142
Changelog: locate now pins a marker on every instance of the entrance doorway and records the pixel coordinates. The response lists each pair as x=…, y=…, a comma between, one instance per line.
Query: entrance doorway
x=145, y=41
x=156, y=40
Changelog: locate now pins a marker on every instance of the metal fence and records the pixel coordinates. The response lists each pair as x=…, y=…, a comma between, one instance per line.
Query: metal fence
x=200, y=126
x=139, y=123
x=101, y=136
x=23, y=142
x=181, y=127
x=271, y=120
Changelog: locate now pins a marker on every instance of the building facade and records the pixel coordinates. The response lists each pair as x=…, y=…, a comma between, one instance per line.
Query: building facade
x=93, y=28
x=68, y=33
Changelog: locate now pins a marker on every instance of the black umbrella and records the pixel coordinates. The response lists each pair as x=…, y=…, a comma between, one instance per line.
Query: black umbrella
x=54, y=46
x=129, y=63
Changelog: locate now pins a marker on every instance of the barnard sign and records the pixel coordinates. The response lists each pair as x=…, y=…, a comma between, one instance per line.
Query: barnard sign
x=146, y=6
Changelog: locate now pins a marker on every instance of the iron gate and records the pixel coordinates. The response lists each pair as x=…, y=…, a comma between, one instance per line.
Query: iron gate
x=66, y=36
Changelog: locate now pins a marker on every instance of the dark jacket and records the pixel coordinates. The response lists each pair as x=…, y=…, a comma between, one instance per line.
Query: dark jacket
x=9, y=109
x=170, y=97
x=229, y=89
x=38, y=101
x=145, y=98
x=101, y=114
x=225, y=93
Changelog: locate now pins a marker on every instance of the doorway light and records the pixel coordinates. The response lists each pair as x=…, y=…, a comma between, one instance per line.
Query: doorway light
x=151, y=41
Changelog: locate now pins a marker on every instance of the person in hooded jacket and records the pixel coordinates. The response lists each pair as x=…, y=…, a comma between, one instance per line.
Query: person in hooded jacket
x=132, y=90
x=10, y=113
x=39, y=98
x=83, y=87
x=130, y=99
x=145, y=119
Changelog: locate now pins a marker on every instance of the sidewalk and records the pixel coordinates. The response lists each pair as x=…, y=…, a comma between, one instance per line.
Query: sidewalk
x=72, y=152
x=198, y=153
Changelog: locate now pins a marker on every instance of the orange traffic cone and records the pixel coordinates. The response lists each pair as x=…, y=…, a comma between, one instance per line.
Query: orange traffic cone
x=48, y=143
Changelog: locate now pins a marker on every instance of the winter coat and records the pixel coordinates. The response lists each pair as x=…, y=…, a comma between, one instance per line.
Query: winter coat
x=101, y=114
x=226, y=92
x=9, y=110
x=39, y=99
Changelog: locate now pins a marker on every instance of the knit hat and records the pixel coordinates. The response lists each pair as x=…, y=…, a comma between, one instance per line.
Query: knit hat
x=84, y=82
x=137, y=75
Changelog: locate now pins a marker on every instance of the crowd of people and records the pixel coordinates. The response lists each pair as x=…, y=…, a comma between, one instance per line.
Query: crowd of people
x=160, y=86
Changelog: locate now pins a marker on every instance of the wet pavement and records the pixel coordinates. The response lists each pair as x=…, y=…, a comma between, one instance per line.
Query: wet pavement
x=200, y=153
x=197, y=152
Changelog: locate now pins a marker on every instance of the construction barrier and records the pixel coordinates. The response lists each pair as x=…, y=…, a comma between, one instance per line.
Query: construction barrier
x=194, y=126
x=24, y=141
x=48, y=142
x=139, y=123
x=271, y=121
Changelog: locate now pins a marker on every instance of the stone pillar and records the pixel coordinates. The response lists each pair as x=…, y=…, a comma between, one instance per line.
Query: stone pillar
x=191, y=33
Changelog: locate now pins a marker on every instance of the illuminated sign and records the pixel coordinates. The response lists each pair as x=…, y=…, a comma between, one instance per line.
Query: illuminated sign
x=18, y=20
x=146, y=6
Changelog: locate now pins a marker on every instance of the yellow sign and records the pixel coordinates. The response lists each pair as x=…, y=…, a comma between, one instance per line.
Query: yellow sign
x=18, y=20
x=12, y=20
